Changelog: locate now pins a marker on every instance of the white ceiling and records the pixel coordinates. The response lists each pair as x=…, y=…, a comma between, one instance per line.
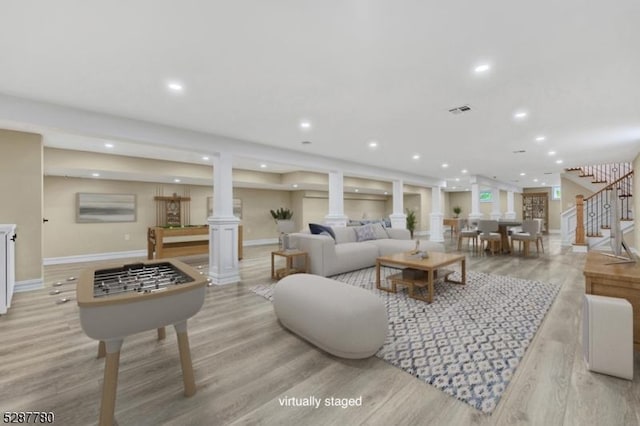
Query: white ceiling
x=357, y=70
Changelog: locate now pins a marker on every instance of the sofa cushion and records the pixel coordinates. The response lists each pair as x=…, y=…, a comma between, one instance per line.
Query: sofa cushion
x=379, y=231
x=318, y=229
x=352, y=256
x=345, y=235
x=364, y=233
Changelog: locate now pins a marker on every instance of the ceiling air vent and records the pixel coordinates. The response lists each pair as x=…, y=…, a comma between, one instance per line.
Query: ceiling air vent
x=519, y=151
x=460, y=109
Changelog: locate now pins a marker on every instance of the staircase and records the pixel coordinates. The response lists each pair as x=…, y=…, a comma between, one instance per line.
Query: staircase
x=588, y=224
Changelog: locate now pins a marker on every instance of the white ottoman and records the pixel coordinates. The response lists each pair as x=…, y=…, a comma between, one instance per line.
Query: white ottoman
x=343, y=320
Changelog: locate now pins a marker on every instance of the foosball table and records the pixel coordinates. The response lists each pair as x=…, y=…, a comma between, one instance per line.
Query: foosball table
x=118, y=301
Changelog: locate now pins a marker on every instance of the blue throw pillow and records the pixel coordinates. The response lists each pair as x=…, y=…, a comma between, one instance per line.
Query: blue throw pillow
x=321, y=229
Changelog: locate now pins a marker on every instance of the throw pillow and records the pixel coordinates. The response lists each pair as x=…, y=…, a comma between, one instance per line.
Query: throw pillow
x=320, y=229
x=365, y=233
x=379, y=231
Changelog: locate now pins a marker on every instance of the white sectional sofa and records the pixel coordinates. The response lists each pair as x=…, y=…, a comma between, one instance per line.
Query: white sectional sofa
x=330, y=257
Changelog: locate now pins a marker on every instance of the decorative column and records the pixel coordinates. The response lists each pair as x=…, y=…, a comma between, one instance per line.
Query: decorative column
x=495, y=205
x=336, y=215
x=475, y=202
x=436, y=232
x=223, y=225
x=580, y=245
x=398, y=218
x=510, y=214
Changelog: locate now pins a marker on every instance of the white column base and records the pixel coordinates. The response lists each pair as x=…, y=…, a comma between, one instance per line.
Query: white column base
x=496, y=215
x=436, y=233
x=336, y=221
x=475, y=216
x=398, y=220
x=510, y=215
x=224, y=266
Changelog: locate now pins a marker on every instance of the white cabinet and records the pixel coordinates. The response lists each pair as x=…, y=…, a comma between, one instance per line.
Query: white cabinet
x=7, y=265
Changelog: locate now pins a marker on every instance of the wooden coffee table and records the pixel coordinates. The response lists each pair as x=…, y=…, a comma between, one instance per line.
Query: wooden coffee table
x=430, y=265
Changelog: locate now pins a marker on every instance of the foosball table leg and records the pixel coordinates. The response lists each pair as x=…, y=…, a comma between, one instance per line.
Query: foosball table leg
x=185, y=359
x=110, y=383
x=162, y=333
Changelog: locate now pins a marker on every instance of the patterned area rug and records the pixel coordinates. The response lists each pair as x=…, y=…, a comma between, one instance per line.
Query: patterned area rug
x=469, y=341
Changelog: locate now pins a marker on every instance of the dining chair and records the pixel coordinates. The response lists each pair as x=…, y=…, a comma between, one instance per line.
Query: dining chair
x=529, y=234
x=470, y=232
x=488, y=232
x=539, y=233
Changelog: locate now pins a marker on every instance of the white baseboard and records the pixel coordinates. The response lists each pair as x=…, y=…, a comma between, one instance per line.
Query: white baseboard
x=133, y=253
x=28, y=285
x=93, y=257
x=261, y=242
x=421, y=233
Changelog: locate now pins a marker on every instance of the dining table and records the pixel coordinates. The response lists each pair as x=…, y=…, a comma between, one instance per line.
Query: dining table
x=503, y=229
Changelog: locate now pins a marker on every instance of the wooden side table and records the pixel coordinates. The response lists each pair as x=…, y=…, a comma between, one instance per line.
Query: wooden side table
x=289, y=255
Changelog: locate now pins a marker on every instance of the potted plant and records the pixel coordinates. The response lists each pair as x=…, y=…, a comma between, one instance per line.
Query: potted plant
x=456, y=211
x=412, y=221
x=285, y=224
x=281, y=214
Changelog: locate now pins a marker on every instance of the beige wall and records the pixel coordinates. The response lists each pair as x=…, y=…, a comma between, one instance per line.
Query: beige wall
x=257, y=222
x=569, y=190
x=21, y=193
x=91, y=238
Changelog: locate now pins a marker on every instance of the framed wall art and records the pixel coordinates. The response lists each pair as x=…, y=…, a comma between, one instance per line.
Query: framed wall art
x=105, y=208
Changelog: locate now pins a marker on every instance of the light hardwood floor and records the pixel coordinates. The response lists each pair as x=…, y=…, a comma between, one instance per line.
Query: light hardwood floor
x=244, y=361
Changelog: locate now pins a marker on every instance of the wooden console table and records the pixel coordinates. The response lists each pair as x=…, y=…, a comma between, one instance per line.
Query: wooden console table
x=605, y=278
x=187, y=241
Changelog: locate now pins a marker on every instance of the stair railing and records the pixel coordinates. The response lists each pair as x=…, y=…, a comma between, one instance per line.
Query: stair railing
x=605, y=173
x=593, y=212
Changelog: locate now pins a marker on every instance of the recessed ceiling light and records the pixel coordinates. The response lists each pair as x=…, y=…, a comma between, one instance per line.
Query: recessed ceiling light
x=445, y=165
x=535, y=180
x=416, y=156
x=306, y=142
x=357, y=190
x=263, y=166
x=373, y=144
x=176, y=180
x=520, y=115
x=559, y=161
x=205, y=158
x=543, y=183
x=175, y=87
x=482, y=68
x=540, y=138
x=305, y=125
x=386, y=193
x=108, y=145
x=454, y=187
x=464, y=171
x=295, y=185
x=551, y=153
x=95, y=174
x=466, y=189
x=457, y=179
x=522, y=174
